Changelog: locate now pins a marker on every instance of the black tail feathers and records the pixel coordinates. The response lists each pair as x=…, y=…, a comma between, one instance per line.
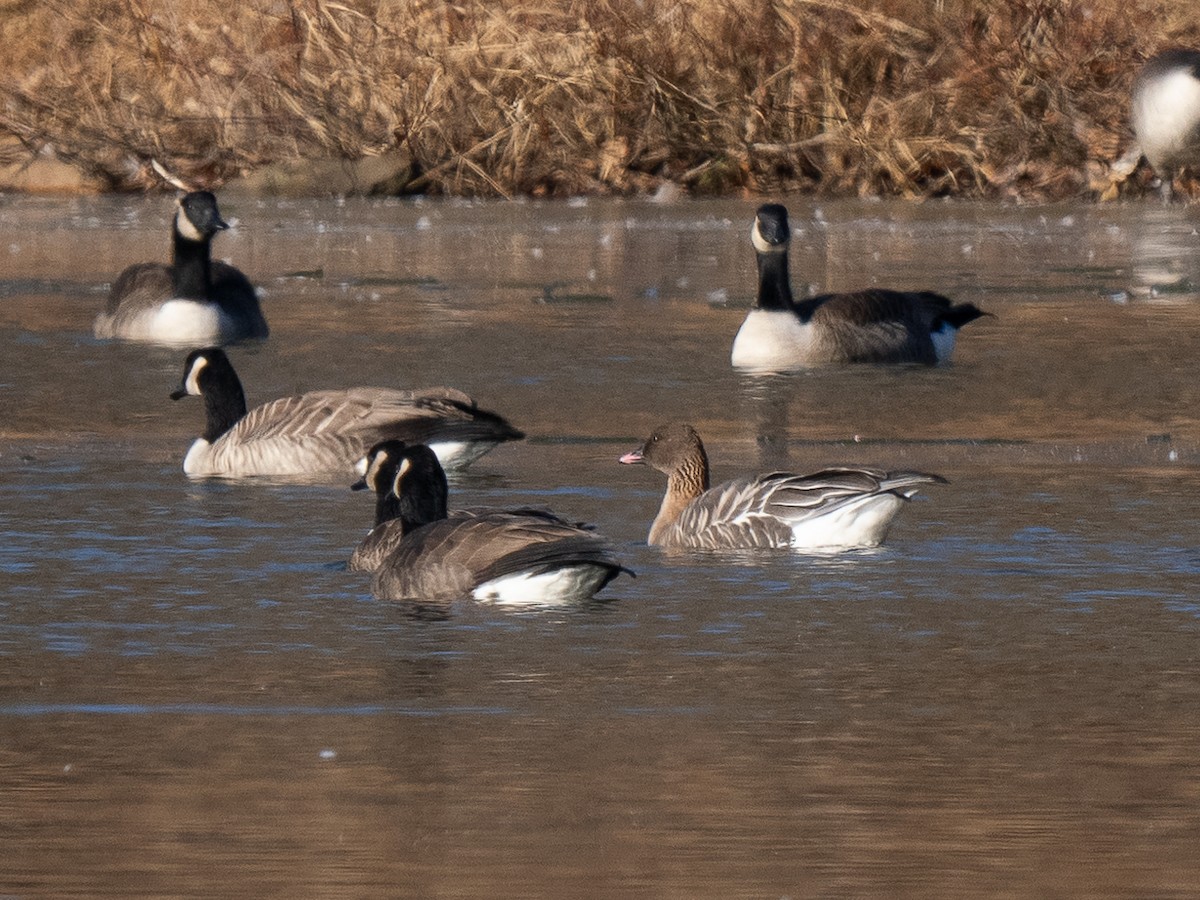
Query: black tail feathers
x=959, y=315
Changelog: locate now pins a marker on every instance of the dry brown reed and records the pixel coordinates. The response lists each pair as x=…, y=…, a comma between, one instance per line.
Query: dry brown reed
x=913, y=98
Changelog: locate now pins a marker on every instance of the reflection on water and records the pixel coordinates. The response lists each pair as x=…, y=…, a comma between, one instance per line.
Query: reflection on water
x=197, y=698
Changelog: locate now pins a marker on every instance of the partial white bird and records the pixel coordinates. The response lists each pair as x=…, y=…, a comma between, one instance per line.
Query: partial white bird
x=1166, y=113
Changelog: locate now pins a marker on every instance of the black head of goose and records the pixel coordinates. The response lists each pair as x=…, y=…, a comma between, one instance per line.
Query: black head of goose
x=192, y=301
x=518, y=556
x=834, y=509
x=871, y=326
x=379, y=474
x=1166, y=113
x=395, y=517
x=324, y=432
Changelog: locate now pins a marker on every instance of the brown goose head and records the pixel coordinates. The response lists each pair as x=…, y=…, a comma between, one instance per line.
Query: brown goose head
x=674, y=449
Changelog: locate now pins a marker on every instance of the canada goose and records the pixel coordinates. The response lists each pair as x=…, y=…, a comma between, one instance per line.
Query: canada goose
x=1166, y=113
x=834, y=509
x=871, y=326
x=379, y=474
x=193, y=300
x=502, y=556
x=379, y=468
x=325, y=432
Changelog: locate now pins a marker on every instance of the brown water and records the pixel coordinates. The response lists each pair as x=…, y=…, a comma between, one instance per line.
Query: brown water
x=196, y=699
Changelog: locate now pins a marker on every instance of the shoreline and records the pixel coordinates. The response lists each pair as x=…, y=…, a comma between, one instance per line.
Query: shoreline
x=394, y=175
x=910, y=99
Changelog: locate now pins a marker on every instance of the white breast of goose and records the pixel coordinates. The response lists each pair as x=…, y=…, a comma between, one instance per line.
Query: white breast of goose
x=771, y=340
x=199, y=459
x=565, y=585
x=179, y=321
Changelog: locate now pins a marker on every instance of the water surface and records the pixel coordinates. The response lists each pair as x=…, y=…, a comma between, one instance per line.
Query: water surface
x=197, y=699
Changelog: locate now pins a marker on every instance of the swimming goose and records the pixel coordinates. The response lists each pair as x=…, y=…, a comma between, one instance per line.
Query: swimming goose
x=871, y=326
x=192, y=301
x=502, y=556
x=1166, y=113
x=834, y=509
x=379, y=474
x=379, y=468
x=325, y=432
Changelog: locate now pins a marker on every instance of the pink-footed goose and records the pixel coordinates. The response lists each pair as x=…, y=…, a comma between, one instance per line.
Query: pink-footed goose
x=834, y=509
x=871, y=326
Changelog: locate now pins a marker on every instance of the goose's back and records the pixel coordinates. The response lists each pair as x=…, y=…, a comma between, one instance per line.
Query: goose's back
x=315, y=433
x=879, y=326
x=143, y=283
x=326, y=432
x=376, y=546
x=382, y=540
x=449, y=559
x=236, y=296
x=230, y=282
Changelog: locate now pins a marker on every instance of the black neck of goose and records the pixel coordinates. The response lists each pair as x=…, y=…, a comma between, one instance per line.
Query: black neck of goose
x=420, y=507
x=387, y=507
x=774, y=282
x=224, y=406
x=191, y=271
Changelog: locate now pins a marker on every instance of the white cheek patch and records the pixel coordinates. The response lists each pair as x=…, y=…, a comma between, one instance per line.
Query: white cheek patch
x=405, y=466
x=761, y=244
x=185, y=227
x=192, y=384
x=371, y=473
x=360, y=467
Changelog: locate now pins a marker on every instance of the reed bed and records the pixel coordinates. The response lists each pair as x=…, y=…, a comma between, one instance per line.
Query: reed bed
x=912, y=98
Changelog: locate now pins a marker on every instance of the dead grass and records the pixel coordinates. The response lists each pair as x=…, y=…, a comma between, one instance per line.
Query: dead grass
x=913, y=98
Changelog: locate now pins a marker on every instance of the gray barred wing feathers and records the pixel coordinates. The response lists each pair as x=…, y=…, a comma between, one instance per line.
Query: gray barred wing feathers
x=767, y=511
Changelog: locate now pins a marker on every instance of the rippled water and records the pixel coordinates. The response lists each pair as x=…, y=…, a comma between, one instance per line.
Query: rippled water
x=197, y=699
